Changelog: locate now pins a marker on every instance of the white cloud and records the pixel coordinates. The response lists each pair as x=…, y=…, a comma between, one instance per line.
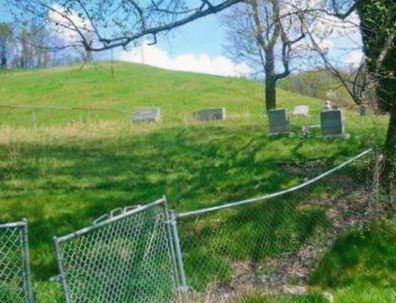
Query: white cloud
x=152, y=55
x=64, y=21
x=354, y=58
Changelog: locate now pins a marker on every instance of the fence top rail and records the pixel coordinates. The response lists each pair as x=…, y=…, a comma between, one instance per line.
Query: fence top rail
x=17, y=106
x=273, y=195
x=106, y=220
x=13, y=225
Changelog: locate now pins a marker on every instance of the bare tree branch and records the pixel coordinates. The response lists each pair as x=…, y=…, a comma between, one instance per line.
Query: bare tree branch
x=118, y=23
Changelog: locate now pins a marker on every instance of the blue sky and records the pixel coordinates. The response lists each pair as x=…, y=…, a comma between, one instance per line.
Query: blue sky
x=202, y=36
x=198, y=46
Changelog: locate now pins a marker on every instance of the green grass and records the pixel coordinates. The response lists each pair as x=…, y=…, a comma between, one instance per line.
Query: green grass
x=360, y=268
x=64, y=175
x=257, y=298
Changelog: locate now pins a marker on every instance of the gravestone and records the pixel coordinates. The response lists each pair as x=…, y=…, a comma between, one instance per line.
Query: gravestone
x=147, y=115
x=331, y=123
x=210, y=114
x=362, y=110
x=301, y=110
x=278, y=123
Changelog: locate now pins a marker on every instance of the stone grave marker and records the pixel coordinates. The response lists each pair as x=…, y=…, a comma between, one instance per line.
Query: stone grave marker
x=147, y=115
x=301, y=110
x=278, y=122
x=210, y=114
x=332, y=123
x=362, y=110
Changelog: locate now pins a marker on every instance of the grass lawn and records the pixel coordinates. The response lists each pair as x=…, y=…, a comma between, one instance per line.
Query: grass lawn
x=74, y=168
x=359, y=269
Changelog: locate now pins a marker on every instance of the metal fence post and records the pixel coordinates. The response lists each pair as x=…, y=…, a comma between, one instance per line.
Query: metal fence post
x=59, y=263
x=34, y=120
x=87, y=116
x=172, y=249
x=375, y=195
x=26, y=264
x=176, y=242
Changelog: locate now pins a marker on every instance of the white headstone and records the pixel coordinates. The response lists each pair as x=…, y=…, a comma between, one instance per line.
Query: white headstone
x=147, y=115
x=301, y=110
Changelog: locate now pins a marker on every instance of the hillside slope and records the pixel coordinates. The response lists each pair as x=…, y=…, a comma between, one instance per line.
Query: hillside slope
x=74, y=167
x=131, y=86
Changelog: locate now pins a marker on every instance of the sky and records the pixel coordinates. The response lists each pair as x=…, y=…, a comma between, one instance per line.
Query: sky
x=199, y=47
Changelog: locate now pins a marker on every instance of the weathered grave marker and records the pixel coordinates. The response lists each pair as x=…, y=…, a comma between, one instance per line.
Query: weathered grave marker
x=362, y=110
x=278, y=122
x=147, y=115
x=210, y=114
x=332, y=123
x=301, y=110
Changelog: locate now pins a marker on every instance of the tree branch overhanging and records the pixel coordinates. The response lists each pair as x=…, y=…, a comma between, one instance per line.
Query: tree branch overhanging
x=130, y=20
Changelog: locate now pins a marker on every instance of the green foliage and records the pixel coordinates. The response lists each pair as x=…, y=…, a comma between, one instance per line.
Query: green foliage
x=317, y=84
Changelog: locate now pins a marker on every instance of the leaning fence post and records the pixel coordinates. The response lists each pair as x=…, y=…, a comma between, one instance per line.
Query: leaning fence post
x=87, y=116
x=170, y=241
x=182, y=277
x=59, y=263
x=26, y=264
x=376, y=182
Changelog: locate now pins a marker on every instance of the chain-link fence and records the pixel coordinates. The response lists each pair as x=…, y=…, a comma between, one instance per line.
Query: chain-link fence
x=34, y=117
x=129, y=256
x=15, y=279
x=273, y=241
x=265, y=243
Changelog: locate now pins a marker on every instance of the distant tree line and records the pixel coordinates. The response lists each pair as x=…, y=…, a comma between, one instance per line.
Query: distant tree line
x=28, y=46
x=317, y=84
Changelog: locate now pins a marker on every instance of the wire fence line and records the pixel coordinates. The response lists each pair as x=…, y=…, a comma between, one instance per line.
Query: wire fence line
x=269, y=242
x=150, y=254
x=15, y=278
x=35, y=116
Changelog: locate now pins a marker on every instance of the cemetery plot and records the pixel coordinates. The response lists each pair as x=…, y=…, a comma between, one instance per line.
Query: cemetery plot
x=211, y=114
x=332, y=123
x=301, y=110
x=362, y=110
x=147, y=115
x=278, y=122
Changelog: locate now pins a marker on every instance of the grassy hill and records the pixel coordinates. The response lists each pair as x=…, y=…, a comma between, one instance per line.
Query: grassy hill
x=76, y=165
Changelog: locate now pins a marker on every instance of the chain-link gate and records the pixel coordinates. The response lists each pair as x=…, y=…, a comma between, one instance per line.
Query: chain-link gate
x=15, y=278
x=130, y=255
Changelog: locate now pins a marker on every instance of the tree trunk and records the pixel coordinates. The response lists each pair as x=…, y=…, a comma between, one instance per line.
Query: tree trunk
x=270, y=79
x=270, y=93
x=3, y=63
x=389, y=173
x=3, y=52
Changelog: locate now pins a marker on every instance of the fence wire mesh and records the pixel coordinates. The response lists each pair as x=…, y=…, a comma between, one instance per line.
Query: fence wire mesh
x=275, y=242
x=128, y=257
x=34, y=117
x=15, y=284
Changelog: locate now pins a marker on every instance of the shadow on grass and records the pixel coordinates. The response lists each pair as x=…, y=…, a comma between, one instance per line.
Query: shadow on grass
x=60, y=187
